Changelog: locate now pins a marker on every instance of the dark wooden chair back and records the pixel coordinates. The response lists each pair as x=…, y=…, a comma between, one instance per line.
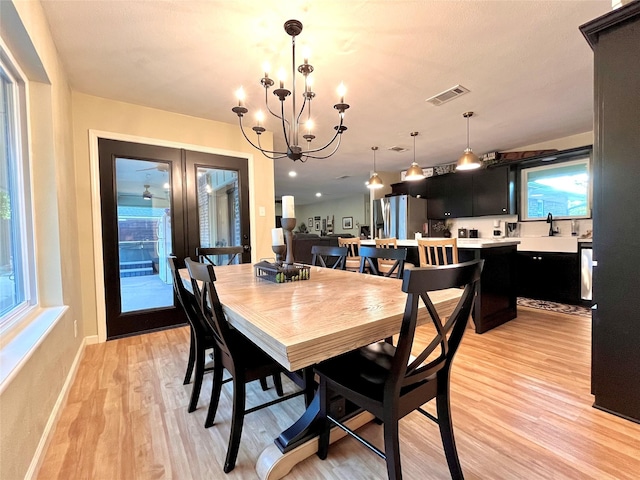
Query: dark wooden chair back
x=212, y=255
x=202, y=282
x=448, y=334
x=237, y=354
x=329, y=257
x=200, y=334
x=394, y=261
x=186, y=299
x=384, y=380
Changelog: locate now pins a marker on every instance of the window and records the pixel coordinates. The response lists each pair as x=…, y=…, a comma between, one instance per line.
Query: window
x=562, y=189
x=15, y=258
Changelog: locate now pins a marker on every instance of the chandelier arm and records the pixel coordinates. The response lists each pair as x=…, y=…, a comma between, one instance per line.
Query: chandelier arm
x=266, y=103
x=276, y=154
x=257, y=147
x=284, y=126
x=304, y=104
x=330, y=142
x=275, y=157
x=326, y=156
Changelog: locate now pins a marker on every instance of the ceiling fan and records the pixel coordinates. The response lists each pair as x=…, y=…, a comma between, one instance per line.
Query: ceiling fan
x=161, y=167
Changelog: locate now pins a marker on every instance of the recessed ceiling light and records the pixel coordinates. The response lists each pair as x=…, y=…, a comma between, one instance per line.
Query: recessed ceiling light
x=318, y=194
x=292, y=173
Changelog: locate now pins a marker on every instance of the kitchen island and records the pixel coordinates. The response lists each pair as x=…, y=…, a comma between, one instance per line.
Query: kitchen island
x=496, y=302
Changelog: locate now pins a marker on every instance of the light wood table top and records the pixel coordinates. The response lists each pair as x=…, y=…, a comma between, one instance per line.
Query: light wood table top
x=302, y=323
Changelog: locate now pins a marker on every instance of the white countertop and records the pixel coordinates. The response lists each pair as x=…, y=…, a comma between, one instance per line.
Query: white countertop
x=540, y=243
x=462, y=242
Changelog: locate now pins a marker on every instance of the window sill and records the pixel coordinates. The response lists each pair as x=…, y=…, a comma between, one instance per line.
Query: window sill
x=18, y=347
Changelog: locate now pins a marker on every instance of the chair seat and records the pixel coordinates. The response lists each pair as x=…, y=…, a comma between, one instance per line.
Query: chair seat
x=258, y=363
x=369, y=369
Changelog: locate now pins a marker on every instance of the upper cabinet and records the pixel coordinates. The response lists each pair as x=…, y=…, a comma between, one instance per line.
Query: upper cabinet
x=471, y=194
x=416, y=188
x=450, y=196
x=493, y=192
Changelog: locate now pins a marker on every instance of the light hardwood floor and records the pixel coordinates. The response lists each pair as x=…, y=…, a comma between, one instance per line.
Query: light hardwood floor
x=520, y=400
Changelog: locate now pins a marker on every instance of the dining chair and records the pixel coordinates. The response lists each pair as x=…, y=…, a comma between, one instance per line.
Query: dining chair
x=331, y=257
x=352, y=262
x=434, y=252
x=383, y=264
x=384, y=380
x=201, y=338
x=242, y=359
x=371, y=259
x=211, y=254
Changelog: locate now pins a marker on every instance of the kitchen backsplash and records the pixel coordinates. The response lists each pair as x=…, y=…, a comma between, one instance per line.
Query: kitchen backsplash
x=485, y=226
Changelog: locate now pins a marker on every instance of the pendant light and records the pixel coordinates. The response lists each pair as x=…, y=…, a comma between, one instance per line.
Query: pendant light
x=468, y=160
x=374, y=181
x=414, y=172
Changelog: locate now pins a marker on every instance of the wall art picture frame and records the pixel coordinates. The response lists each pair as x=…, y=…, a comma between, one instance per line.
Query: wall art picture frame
x=309, y=222
x=318, y=225
x=347, y=223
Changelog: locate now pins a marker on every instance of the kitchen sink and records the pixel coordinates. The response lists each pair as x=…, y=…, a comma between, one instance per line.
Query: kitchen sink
x=544, y=243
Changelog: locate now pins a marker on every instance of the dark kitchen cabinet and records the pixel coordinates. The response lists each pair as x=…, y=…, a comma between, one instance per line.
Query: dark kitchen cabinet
x=549, y=276
x=493, y=192
x=450, y=196
x=489, y=191
x=615, y=381
x=416, y=188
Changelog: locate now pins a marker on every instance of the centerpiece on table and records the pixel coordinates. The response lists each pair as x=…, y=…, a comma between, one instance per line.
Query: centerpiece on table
x=287, y=270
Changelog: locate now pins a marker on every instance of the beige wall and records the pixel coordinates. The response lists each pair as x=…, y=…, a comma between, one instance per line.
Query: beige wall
x=27, y=400
x=353, y=206
x=156, y=126
x=61, y=185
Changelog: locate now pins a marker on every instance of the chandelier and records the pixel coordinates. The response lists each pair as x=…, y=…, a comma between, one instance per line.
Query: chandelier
x=293, y=126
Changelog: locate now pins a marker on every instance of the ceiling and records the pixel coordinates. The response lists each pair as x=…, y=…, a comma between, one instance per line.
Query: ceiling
x=526, y=64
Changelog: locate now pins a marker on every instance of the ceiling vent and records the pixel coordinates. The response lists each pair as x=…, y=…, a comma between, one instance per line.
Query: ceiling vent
x=397, y=149
x=447, y=95
x=343, y=177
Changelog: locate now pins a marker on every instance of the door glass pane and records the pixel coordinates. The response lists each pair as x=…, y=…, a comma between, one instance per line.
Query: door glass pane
x=144, y=233
x=219, y=209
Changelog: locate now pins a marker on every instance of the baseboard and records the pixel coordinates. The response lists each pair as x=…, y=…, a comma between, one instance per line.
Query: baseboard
x=41, y=449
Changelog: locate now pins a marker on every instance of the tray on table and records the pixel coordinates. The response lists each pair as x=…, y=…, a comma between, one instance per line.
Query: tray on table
x=281, y=274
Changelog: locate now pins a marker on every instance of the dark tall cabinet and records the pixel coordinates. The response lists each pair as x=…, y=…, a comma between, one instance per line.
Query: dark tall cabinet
x=615, y=39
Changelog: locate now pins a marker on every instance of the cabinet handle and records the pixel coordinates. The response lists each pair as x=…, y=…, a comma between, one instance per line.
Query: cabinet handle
x=504, y=209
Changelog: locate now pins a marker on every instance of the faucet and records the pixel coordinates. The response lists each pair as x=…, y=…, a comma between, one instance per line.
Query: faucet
x=550, y=222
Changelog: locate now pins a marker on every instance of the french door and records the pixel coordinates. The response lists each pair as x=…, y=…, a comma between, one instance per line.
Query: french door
x=157, y=201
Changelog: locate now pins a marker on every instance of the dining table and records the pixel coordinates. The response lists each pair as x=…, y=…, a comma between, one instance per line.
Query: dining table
x=301, y=323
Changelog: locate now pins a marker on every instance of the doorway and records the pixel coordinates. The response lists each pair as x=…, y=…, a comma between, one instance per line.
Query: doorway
x=156, y=201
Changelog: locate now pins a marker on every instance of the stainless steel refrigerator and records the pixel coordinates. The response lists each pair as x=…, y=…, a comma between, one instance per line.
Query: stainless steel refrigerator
x=400, y=216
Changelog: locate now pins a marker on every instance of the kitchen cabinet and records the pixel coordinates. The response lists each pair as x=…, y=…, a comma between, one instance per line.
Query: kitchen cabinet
x=489, y=191
x=549, y=276
x=416, y=188
x=615, y=382
x=493, y=192
x=450, y=196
